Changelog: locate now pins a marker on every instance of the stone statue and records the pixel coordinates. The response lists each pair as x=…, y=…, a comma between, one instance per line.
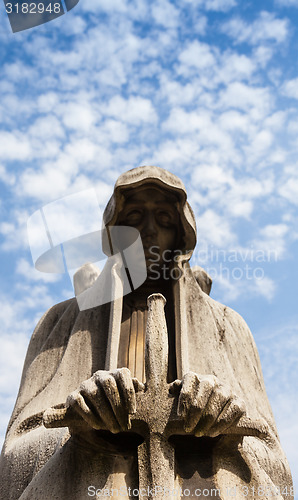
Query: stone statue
x=169, y=389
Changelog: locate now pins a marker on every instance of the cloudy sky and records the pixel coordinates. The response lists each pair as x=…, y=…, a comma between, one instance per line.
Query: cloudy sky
x=205, y=88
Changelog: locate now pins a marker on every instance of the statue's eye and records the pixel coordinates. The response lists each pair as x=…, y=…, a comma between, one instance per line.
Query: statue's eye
x=133, y=217
x=164, y=218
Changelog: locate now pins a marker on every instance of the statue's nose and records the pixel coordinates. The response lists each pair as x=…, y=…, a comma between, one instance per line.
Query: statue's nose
x=149, y=226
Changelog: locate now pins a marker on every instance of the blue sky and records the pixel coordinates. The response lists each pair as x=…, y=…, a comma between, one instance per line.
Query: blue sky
x=205, y=88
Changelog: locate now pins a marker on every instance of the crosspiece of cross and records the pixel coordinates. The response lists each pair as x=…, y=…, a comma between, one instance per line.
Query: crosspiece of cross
x=156, y=418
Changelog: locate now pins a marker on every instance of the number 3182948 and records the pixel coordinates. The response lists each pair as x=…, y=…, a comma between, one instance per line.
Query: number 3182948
x=33, y=8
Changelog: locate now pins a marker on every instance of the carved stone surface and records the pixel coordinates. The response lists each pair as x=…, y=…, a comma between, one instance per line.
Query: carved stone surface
x=198, y=419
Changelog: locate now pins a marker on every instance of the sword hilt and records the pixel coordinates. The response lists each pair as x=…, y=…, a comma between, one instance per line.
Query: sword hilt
x=156, y=347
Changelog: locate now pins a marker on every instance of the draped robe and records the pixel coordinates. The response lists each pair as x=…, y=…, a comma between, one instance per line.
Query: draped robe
x=69, y=345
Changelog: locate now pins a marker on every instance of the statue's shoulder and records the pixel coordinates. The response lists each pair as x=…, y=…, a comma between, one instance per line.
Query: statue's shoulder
x=220, y=311
x=66, y=310
x=55, y=312
x=228, y=318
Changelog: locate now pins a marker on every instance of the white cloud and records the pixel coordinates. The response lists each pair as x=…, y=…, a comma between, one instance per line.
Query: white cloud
x=220, y=5
x=14, y=232
x=289, y=189
x=217, y=186
x=206, y=176
x=78, y=116
x=135, y=110
x=238, y=280
x=18, y=71
x=290, y=88
x=47, y=102
x=273, y=239
x=178, y=94
x=106, y=5
x=244, y=97
x=6, y=177
x=266, y=28
x=265, y=286
x=260, y=144
x=74, y=24
x=276, y=121
x=235, y=121
x=196, y=56
x=216, y=229
x=116, y=131
x=14, y=146
x=235, y=67
x=45, y=128
x=221, y=189
x=287, y=3
x=172, y=154
x=279, y=356
x=262, y=55
x=165, y=13
x=275, y=230
x=27, y=271
x=84, y=152
x=200, y=124
x=216, y=5
x=44, y=183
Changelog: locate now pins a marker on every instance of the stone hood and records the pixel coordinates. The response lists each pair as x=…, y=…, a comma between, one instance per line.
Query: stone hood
x=140, y=176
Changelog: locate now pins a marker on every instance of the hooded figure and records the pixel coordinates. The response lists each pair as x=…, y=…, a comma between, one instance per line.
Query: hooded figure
x=75, y=355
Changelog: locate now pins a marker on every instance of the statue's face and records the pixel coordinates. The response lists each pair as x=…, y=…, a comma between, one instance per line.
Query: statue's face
x=153, y=213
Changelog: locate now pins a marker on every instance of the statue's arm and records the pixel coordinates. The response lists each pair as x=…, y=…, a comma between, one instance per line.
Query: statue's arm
x=265, y=454
x=28, y=444
x=215, y=404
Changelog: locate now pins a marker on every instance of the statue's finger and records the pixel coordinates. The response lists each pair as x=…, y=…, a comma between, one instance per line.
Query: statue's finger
x=96, y=400
x=109, y=387
x=195, y=401
x=175, y=387
x=77, y=402
x=230, y=415
x=219, y=398
x=126, y=390
x=189, y=389
x=138, y=386
x=198, y=407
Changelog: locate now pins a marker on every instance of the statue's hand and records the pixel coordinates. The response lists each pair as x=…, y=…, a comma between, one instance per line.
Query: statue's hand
x=106, y=400
x=207, y=407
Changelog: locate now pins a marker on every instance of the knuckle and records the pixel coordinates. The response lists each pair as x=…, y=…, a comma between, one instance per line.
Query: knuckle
x=99, y=376
x=224, y=393
x=108, y=382
x=88, y=387
x=213, y=380
x=186, y=393
x=239, y=406
x=189, y=378
x=72, y=399
x=84, y=387
x=125, y=372
x=207, y=384
x=186, y=400
x=124, y=379
x=130, y=391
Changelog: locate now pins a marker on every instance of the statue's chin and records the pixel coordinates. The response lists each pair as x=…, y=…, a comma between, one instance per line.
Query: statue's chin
x=157, y=270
